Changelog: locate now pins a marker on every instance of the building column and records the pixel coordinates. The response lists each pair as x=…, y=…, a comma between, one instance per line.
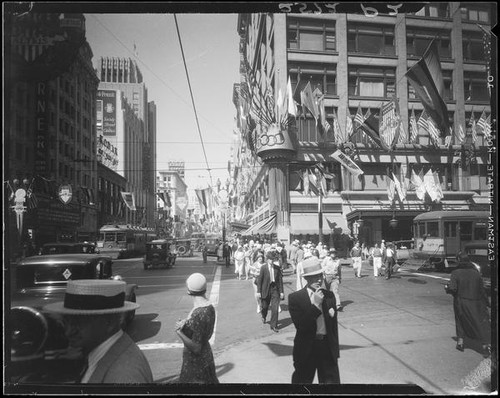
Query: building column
x=279, y=199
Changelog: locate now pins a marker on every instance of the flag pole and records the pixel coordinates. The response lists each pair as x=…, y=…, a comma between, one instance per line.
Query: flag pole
x=320, y=217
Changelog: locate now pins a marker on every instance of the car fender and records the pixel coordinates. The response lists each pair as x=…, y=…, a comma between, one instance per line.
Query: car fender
x=130, y=289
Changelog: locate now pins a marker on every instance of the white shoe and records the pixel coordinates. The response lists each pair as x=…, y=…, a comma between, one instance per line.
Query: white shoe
x=258, y=309
x=279, y=308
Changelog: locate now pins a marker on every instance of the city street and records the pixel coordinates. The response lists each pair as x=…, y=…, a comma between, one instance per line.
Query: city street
x=392, y=332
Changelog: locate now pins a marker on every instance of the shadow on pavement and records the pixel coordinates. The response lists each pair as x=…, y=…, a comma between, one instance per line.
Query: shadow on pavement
x=283, y=323
x=345, y=303
x=417, y=281
x=280, y=350
x=143, y=327
x=223, y=369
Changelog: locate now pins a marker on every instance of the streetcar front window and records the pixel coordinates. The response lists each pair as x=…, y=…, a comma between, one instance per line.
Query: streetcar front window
x=120, y=237
x=465, y=230
x=109, y=237
x=480, y=233
x=421, y=230
x=433, y=229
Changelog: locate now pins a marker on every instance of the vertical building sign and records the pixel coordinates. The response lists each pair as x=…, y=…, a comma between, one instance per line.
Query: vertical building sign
x=41, y=130
x=108, y=105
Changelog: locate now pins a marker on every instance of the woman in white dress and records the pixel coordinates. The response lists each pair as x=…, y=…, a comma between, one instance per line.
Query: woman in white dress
x=239, y=261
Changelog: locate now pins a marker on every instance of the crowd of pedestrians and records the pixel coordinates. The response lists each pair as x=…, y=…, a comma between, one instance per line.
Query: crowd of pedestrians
x=93, y=311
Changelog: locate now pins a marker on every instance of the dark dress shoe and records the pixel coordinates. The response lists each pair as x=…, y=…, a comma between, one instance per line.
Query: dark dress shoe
x=460, y=347
x=275, y=330
x=263, y=320
x=486, y=351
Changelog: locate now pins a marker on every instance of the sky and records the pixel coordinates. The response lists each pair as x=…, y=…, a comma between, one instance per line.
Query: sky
x=210, y=44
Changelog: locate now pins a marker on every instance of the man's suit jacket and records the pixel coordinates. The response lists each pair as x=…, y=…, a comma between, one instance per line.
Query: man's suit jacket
x=263, y=281
x=123, y=363
x=304, y=315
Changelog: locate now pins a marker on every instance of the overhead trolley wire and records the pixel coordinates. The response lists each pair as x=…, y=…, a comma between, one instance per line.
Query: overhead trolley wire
x=192, y=99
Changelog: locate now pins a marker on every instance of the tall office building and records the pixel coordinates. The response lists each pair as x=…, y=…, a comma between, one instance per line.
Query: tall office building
x=359, y=64
x=135, y=140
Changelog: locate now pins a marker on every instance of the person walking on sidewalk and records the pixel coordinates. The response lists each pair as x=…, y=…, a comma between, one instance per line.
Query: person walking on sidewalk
x=356, y=259
x=377, y=260
x=226, y=253
x=333, y=275
x=293, y=255
x=390, y=260
x=254, y=273
x=239, y=261
x=470, y=304
x=270, y=289
x=316, y=342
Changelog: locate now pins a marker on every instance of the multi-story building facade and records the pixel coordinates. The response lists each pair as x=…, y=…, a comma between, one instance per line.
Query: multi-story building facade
x=50, y=131
x=171, y=182
x=129, y=123
x=358, y=61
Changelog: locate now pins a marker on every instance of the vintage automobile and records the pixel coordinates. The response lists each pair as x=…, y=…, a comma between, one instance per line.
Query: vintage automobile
x=159, y=253
x=478, y=254
x=38, y=345
x=42, y=279
x=404, y=250
x=64, y=248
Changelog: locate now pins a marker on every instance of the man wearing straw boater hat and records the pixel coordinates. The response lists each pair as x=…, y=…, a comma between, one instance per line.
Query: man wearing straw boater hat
x=92, y=314
x=316, y=343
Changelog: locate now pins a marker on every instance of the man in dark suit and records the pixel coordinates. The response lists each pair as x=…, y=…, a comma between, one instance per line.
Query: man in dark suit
x=316, y=343
x=226, y=253
x=270, y=289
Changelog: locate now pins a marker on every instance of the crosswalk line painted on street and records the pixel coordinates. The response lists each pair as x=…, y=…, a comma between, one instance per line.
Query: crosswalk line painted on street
x=214, y=299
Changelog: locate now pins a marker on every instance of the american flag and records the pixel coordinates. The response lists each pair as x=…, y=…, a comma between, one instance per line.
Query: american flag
x=473, y=128
x=433, y=131
x=359, y=119
x=413, y=127
x=487, y=128
x=422, y=122
x=349, y=128
x=336, y=129
x=389, y=122
x=461, y=135
x=482, y=122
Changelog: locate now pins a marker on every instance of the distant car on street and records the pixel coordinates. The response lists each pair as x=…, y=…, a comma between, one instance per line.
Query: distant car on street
x=69, y=247
x=404, y=250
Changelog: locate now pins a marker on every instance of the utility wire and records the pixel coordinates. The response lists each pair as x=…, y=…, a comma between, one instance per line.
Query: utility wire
x=192, y=99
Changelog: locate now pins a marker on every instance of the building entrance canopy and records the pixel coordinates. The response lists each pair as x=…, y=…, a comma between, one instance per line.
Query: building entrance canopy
x=266, y=226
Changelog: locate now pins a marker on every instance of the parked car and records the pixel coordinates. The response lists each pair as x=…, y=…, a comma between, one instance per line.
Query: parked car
x=478, y=254
x=69, y=247
x=159, y=253
x=404, y=250
x=42, y=279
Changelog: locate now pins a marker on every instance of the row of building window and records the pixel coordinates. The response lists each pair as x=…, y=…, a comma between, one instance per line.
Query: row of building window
x=379, y=40
x=380, y=82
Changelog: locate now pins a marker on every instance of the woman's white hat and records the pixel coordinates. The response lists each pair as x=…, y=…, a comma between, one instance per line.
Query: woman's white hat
x=196, y=283
x=93, y=297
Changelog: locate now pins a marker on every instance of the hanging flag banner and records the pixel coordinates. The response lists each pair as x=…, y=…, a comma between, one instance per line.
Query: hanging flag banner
x=129, y=199
x=347, y=162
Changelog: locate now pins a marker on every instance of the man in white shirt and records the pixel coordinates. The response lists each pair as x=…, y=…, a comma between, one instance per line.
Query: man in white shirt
x=333, y=274
x=390, y=260
x=92, y=313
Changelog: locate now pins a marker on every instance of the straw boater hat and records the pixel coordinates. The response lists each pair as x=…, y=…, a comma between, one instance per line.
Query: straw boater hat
x=311, y=266
x=93, y=297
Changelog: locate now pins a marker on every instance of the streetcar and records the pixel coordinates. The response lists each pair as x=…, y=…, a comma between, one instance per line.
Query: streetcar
x=440, y=235
x=122, y=241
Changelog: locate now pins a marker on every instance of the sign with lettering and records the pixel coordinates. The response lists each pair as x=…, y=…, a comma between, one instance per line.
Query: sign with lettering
x=347, y=162
x=106, y=115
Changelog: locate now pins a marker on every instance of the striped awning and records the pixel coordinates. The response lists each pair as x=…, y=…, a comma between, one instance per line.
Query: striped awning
x=266, y=226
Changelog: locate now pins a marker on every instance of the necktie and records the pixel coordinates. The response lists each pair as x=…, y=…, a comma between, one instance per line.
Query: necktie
x=271, y=272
